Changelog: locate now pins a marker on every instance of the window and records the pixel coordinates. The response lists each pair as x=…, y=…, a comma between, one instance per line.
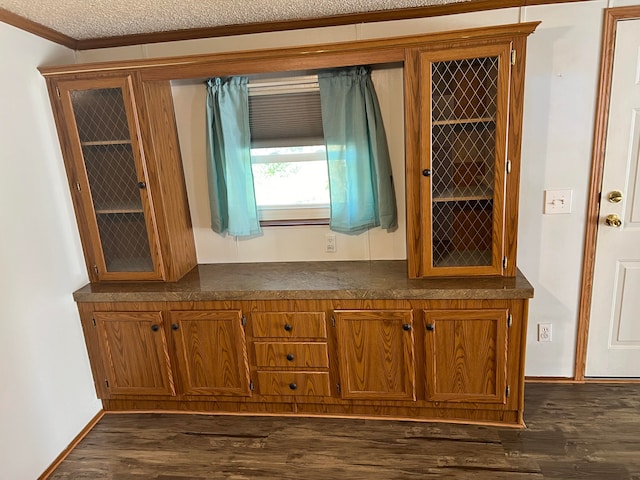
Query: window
x=288, y=156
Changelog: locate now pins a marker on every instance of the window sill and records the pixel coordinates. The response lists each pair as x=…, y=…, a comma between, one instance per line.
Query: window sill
x=294, y=223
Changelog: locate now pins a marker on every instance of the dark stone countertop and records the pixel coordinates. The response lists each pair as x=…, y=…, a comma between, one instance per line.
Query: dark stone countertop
x=380, y=279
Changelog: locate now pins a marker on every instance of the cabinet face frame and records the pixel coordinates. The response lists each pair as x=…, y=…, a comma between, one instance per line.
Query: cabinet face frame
x=459, y=345
x=422, y=200
x=80, y=186
x=134, y=353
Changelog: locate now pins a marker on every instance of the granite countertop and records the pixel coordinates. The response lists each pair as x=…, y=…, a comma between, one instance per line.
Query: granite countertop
x=381, y=279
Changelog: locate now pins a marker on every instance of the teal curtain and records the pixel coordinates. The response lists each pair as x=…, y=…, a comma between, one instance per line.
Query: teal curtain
x=360, y=181
x=231, y=192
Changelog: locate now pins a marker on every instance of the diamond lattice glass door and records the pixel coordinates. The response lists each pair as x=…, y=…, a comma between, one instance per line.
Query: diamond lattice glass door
x=110, y=157
x=465, y=165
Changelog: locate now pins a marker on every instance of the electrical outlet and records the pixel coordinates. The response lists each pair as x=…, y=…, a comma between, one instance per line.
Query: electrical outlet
x=330, y=244
x=544, y=332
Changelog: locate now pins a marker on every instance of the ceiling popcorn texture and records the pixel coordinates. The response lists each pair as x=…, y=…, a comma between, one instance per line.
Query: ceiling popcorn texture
x=84, y=19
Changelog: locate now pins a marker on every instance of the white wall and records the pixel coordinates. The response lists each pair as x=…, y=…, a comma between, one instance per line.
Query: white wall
x=46, y=388
x=562, y=70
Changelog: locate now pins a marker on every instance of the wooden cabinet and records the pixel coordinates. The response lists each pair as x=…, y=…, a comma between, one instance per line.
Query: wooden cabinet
x=123, y=164
x=466, y=355
x=457, y=359
x=134, y=353
x=211, y=352
x=376, y=354
x=359, y=341
x=463, y=173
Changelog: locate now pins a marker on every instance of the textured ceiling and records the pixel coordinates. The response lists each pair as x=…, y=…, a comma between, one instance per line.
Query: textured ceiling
x=84, y=19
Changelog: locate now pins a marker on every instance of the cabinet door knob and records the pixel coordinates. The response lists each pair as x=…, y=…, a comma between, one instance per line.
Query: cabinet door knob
x=431, y=327
x=175, y=326
x=155, y=327
x=288, y=327
x=142, y=185
x=406, y=327
x=293, y=386
x=290, y=357
x=426, y=172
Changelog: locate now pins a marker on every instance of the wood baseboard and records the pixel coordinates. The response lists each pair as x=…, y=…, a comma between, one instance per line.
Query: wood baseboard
x=551, y=380
x=65, y=453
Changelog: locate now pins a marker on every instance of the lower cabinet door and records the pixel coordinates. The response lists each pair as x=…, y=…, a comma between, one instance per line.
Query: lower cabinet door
x=134, y=353
x=211, y=352
x=466, y=355
x=376, y=354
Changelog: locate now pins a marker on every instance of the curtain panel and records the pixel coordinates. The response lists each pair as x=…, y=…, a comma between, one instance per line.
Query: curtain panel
x=230, y=178
x=360, y=180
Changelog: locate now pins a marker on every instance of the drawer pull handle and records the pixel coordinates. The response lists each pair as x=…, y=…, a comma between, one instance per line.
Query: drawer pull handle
x=288, y=327
x=175, y=326
x=431, y=327
x=290, y=357
x=293, y=386
x=155, y=327
x=406, y=327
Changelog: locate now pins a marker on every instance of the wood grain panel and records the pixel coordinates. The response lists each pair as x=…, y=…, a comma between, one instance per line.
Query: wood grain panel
x=291, y=354
x=166, y=176
x=413, y=159
x=466, y=355
x=211, y=351
x=288, y=324
x=514, y=148
x=135, y=354
x=294, y=383
x=376, y=356
x=294, y=58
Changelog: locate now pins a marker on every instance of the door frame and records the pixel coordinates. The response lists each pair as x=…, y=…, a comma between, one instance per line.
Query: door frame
x=610, y=24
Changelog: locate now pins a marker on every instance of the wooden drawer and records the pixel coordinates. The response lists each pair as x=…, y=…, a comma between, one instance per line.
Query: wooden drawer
x=294, y=383
x=289, y=324
x=291, y=354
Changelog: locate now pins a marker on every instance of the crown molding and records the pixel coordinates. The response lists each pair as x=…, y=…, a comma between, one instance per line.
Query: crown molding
x=263, y=27
x=37, y=29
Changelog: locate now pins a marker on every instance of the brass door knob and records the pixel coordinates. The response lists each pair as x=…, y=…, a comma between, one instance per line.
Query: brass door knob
x=615, y=196
x=613, y=220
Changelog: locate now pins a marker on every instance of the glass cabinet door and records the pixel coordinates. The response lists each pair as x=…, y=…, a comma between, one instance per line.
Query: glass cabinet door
x=109, y=165
x=466, y=95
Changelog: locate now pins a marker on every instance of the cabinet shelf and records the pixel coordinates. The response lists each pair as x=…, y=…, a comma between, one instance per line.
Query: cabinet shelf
x=463, y=121
x=105, y=143
x=124, y=210
x=463, y=194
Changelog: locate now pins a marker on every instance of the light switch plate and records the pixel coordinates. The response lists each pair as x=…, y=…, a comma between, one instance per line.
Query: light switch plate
x=557, y=201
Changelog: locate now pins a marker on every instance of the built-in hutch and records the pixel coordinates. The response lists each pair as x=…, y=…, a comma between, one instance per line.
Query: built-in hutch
x=440, y=336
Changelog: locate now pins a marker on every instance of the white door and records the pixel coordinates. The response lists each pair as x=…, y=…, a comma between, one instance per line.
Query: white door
x=614, y=331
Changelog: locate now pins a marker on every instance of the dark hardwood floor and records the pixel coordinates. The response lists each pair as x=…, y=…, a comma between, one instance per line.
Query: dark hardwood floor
x=581, y=432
